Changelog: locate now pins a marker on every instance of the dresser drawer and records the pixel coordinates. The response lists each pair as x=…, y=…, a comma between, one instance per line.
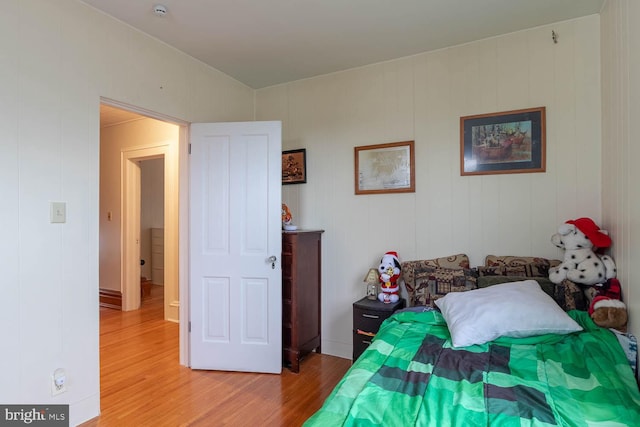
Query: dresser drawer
x=360, y=344
x=368, y=320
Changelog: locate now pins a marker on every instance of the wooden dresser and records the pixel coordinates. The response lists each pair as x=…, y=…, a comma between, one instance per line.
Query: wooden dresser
x=301, y=266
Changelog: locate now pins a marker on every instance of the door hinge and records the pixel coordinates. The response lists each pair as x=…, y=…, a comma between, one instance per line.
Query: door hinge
x=189, y=326
x=189, y=148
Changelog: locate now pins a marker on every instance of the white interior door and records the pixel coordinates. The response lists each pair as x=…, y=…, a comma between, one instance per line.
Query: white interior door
x=235, y=230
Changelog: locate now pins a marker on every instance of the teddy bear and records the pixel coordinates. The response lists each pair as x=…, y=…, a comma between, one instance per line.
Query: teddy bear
x=607, y=309
x=389, y=270
x=579, y=238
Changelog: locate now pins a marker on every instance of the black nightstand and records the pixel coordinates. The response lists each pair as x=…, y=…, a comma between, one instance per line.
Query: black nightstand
x=368, y=315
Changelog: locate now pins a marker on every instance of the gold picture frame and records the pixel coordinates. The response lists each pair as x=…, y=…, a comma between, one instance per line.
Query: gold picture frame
x=385, y=168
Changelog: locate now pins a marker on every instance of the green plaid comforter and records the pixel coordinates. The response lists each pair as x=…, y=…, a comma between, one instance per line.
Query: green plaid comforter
x=411, y=375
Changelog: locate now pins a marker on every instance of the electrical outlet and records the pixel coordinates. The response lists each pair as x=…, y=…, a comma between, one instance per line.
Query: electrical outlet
x=58, y=382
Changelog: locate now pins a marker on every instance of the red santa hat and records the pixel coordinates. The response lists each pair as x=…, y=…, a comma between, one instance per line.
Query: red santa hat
x=609, y=297
x=392, y=254
x=592, y=231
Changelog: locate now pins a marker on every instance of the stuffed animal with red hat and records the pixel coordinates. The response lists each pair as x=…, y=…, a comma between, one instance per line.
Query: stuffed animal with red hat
x=607, y=309
x=580, y=239
x=389, y=270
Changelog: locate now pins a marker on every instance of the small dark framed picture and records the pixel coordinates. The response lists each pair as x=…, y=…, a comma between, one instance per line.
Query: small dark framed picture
x=294, y=166
x=505, y=142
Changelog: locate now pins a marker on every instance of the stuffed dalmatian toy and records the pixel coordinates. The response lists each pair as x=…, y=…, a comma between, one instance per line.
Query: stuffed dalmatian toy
x=581, y=264
x=389, y=270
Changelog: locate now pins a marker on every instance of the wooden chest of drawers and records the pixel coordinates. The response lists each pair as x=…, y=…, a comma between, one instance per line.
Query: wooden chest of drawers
x=301, y=281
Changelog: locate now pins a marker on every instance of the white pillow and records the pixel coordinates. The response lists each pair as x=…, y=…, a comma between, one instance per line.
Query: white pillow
x=514, y=309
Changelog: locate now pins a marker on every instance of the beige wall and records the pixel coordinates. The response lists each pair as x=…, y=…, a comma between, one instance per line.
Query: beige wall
x=421, y=98
x=57, y=58
x=620, y=147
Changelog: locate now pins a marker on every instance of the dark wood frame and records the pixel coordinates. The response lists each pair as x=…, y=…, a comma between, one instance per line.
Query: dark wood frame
x=393, y=146
x=300, y=158
x=476, y=159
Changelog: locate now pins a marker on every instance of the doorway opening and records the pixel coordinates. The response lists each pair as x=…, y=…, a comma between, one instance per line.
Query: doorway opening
x=151, y=226
x=131, y=142
x=131, y=138
x=133, y=208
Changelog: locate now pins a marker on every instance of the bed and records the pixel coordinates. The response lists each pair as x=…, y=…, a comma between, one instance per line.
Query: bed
x=498, y=363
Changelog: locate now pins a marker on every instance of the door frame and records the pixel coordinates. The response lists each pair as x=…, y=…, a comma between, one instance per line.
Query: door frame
x=130, y=214
x=130, y=230
x=177, y=206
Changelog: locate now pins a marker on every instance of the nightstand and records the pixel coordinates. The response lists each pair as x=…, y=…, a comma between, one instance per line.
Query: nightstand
x=368, y=315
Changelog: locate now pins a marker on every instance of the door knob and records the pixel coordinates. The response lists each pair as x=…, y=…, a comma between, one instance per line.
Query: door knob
x=272, y=259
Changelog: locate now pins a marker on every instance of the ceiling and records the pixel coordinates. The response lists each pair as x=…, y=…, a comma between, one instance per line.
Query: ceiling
x=267, y=42
x=110, y=116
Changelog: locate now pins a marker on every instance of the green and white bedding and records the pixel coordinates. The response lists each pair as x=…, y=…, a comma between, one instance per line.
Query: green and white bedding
x=412, y=375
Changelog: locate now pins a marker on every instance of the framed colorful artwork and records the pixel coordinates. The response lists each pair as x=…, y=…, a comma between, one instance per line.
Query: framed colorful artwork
x=505, y=142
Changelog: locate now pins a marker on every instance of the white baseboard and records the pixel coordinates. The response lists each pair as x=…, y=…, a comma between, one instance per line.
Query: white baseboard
x=84, y=410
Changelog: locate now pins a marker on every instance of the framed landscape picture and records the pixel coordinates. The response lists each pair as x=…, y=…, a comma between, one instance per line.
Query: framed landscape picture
x=505, y=142
x=385, y=168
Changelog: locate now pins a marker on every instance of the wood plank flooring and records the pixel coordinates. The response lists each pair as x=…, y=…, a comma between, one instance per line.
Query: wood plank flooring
x=143, y=384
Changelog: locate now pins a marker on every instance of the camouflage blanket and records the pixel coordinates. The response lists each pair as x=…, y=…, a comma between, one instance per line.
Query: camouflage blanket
x=411, y=375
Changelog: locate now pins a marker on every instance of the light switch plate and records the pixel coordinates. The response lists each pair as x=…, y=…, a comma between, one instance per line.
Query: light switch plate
x=58, y=212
